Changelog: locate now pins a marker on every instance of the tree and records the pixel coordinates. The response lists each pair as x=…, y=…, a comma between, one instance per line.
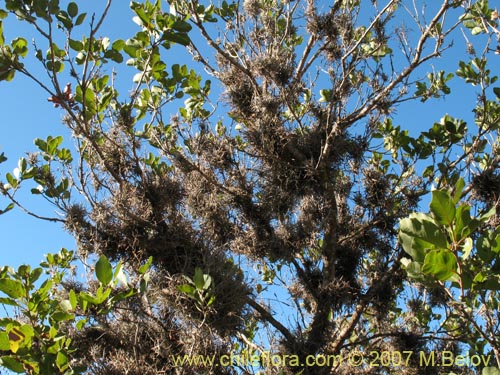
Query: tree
x=36, y=340
x=279, y=182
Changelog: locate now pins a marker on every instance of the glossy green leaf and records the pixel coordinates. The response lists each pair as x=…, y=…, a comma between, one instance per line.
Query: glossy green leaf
x=12, y=288
x=484, y=252
x=442, y=207
x=486, y=216
x=114, y=55
x=464, y=224
x=103, y=270
x=122, y=295
x=414, y=269
x=441, y=263
x=7, y=75
x=419, y=233
x=66, y=306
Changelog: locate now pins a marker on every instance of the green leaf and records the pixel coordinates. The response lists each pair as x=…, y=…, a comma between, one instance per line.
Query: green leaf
x=442, y=207
x=207, y=282
x=477, y=30
x=73, y=299
x=440, y=263
x=103, y=270
x=12, y=288
x=491, y=283
x=467, y=248
x=114, y=55
x=65, y=19
x=180, y=38
x=8, y=301
x=66, y=305
x=118, y=45
x=12, y=364
x=20, y=47
x=12, y=180
x=80, y=19
x=187, y=289
x=75, y=45
x=198, y=279
x=35, y=274
x=144, y=268
x=119, y=276
x=26, y=331
x=414, y=269
x=464, y=224
x=496, y=90
x=485, y=217
x=143, y=285
x=4, y=341
x=419, y=233
x=80, y=324
x=87, y=98
x=72, y=9
x=181, y=26
x=459, y=188
x=62, y=361
x=60, y=316
x=7, y=209
x=123, y=295
x=7, y=75
x=490, y=371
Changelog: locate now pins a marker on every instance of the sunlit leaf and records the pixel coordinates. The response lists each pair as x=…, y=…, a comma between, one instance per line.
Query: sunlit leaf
x=104, y=270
